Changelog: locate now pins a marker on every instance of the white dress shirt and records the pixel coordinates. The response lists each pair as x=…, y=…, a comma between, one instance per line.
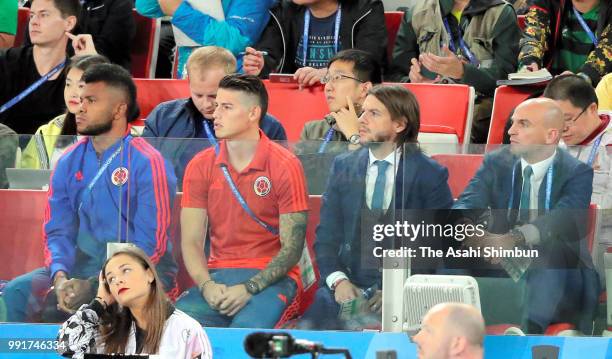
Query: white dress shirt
x=372, y=173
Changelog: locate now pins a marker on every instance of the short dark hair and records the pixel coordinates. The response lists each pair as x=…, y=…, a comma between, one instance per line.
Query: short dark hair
x=117, y=77
x=402, y=106
x=365, y=66
x=248, y=84
x=572, y=88
x=67, y=7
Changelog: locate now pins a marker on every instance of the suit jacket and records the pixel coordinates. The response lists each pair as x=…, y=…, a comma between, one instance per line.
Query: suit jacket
x=420, y=183
x=561, y=228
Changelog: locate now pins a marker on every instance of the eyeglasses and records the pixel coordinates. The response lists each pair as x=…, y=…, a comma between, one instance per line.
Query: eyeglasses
x=328, y=78
x=573, y=120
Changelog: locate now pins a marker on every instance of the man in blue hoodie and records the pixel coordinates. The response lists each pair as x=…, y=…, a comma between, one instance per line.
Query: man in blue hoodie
x=177, y=128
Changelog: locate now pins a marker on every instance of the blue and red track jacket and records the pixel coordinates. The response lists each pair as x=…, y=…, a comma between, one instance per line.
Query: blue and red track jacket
x=84, y=213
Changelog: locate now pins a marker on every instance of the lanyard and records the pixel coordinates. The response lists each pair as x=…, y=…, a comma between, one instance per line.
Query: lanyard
x=233, y=187
x=326, y=139
x=12, y=102
x=549, y=177
x=594, y=150
x=123, y=199
x=307, y=27
x=464, y=47
x=585, y=27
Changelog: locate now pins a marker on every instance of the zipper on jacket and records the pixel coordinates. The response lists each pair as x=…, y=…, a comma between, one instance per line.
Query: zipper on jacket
x=353, y=28
x=279, y=68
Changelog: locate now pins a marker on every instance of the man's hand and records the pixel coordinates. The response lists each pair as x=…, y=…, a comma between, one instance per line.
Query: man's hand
x=506, y=241
x=214, y=293
x=252, y=62
x=168, y=7
x=529, y=68
x=345, y=291
x=347, y=119
x=449, y=65
x=308, y=76
x=375, y=303
x=82, y=44
x=71, y=294
x=415, y=74
x=235, y=298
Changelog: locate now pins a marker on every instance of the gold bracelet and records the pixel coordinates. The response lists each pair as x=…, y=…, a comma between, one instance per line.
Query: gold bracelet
x=203, y=285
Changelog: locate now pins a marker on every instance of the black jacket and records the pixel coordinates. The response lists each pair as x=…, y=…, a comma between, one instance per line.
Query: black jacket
x=362, y=27
x=112, y=26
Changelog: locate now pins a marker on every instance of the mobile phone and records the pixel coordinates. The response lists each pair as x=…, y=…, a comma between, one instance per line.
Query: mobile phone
x=545, y=352
x=425, y=72
x=386, y=354
x=282, y=78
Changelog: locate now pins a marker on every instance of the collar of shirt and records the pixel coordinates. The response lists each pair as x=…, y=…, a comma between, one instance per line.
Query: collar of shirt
x=539, y=168
x=372, y=172
x=392, y=158
x=259, y=159
x=605, y=121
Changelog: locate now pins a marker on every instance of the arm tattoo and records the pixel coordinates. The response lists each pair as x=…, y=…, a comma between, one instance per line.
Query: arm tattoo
x=292, y=237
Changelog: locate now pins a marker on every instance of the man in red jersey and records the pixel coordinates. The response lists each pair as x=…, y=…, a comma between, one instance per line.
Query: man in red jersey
x=251, y=194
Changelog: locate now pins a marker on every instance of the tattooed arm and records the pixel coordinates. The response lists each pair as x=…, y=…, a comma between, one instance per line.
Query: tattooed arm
x=292, y=236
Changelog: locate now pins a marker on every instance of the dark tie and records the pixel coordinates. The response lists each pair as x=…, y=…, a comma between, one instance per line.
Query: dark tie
x=379, y=186
x=525, y=195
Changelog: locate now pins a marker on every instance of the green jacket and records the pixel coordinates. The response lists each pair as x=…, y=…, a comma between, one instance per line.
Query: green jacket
x=489, y=28
x=314, y=133
x=8, y=149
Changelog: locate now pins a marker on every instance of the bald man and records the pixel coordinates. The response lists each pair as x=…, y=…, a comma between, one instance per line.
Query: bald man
x=538, y=195
x=451, y=331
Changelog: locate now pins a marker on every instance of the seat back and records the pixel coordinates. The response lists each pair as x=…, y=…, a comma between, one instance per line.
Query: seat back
x=393, y=19
x=21, y=231
x=294, y=107
x=521, y=22
x=23, y=17
x=461, y=169
x=152, y=92
x=505, y=100
x=456, y=111
x=145, y=46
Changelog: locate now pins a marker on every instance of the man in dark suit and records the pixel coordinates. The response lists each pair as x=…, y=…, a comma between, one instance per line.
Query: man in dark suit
x=365, y=188
x=546, y=212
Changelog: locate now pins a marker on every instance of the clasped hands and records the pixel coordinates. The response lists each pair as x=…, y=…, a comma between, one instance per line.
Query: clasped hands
x=449, y=65
x=227, y=300
x=505, y=241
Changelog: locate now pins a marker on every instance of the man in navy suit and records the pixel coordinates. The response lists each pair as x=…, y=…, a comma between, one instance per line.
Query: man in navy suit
x=364, y=187
x=538, y=195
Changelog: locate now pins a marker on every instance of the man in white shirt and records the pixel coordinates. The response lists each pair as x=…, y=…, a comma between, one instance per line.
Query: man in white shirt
x=365, y=188
x=546, y=213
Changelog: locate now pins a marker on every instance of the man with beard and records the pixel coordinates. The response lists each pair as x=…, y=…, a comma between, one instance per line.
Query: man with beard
x=365, y=188
x=109, y=187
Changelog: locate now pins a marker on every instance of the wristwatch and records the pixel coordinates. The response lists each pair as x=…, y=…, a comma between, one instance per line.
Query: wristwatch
x=354, y=139
x=251, y=287
x=519, y=237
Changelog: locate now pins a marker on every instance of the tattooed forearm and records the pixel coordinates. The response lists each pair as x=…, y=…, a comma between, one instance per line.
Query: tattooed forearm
x=292, y=236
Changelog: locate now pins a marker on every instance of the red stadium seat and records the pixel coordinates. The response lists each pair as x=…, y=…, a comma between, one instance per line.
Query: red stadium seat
x=152, y=92
x=293, y=107
x=393, y=19
x=145, y=46
x=521, y=22
x=461, y=169
x=505, y=100
x=23, y=17
x=449, y=106
x=21, y=231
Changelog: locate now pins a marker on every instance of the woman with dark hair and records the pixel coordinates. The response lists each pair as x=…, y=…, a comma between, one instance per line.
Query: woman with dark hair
x=51, y=140
x=132, y=315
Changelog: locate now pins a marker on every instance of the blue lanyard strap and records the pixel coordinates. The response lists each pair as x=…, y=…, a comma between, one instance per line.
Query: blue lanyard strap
x=230, y=182
x=307, y=27
x=549, y=178
x=326, y=139
x=585, y=27
x=594, y=150
x=12, y=102
x=464, y=47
